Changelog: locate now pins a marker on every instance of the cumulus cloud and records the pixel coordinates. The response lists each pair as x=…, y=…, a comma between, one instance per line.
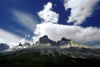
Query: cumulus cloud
x=47, y=15
x=76, y=33
x=86, y=36
x=80, y=9
x=25, y=19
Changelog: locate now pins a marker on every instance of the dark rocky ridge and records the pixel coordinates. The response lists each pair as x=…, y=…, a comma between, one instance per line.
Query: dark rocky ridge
x=20, y=44
x=64, y=39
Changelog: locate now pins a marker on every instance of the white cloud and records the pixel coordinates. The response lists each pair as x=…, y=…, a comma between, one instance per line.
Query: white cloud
x=23, y=40
x=47, y=15
x=27, y=36
x=76, y=33
x=87, y=36
x=11, y=39
x=80, y=9
x=13, y=44
x=25, y=19
x=2, y=40
x=7, y=37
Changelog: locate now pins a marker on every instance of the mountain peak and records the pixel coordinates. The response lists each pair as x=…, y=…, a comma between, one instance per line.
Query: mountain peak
x=63, y=43
x=45, y=36
x=20, y=44
x=44, y=39
x=64, y=39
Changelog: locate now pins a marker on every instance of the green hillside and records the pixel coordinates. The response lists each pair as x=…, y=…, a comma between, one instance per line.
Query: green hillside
x=34, y=59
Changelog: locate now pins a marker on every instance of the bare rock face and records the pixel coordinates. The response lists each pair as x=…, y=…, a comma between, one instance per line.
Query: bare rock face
x=63, y=43
x=67, y=43
x=44, y=41
x=3, y=47
x=20, y=44
x=64, y=39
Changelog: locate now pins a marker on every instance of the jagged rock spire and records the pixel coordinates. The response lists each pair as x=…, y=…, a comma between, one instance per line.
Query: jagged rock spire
x=44, y=39
x=20, y=44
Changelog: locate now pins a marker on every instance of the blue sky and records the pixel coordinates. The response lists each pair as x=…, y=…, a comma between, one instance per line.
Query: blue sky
x=73, y=19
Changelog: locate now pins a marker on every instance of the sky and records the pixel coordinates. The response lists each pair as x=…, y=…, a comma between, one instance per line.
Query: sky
x=27, y=20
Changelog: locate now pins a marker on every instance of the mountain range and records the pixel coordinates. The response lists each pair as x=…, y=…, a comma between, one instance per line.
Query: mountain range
x=63, y=43
x=46, y=52
x=46, y=42
x=46, y=46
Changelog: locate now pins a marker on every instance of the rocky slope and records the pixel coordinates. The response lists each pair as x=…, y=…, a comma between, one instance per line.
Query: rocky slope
x=50, y=57
x=45, y=52
x=44, y=42
x=62, y=47
x=63, y=43
x=66, y=43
